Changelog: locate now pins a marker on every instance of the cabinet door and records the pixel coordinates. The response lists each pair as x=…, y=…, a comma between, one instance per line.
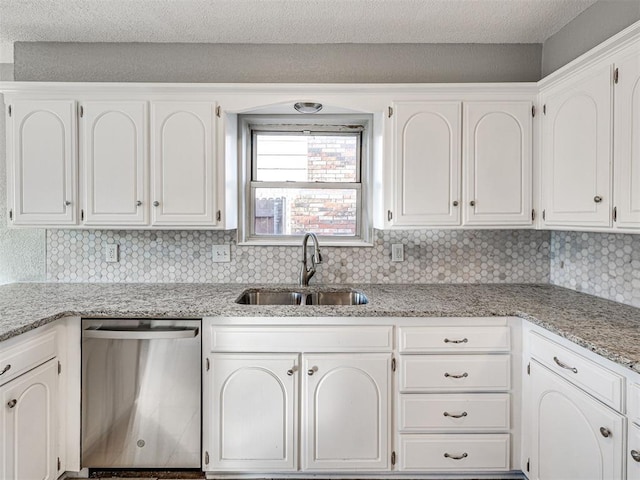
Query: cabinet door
x=577, y=153
x=497, y=163
x=573, y=435
x=28, y=424
x=253, y=406
x=633, y=452
x=346, y=412
x=427, y=163
x=182, y=153
x=627, y=142
x=42, y=162
x=113, y=138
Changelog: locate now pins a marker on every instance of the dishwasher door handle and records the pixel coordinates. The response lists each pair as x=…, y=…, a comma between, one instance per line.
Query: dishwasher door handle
x=141, y=333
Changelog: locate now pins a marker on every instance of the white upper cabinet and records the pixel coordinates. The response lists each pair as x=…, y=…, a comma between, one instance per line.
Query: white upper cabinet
x=576, y=152
x=41, y=162
x=493, y=160
x=182, y=167
x=627, y=141
x=497, y=171
x=114, y=163
x=427, y=163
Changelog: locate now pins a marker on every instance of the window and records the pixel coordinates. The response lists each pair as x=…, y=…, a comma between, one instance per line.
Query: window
x=305, y=174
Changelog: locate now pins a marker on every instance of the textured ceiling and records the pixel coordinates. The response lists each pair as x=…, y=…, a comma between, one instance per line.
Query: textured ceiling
x=286, y=21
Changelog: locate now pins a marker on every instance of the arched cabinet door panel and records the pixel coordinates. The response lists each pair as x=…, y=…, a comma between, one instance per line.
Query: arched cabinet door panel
x=28, y=421
x=573, y=436
x=626, y=149
x=576, y=153
x=182, y=163
x=114, y=162
x=427, y=138
x=497, y=163
x=253, y=409
x=346, y=412
x=42, y=162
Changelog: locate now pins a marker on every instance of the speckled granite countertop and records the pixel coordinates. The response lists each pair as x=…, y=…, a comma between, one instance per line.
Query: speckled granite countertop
x=607, y=328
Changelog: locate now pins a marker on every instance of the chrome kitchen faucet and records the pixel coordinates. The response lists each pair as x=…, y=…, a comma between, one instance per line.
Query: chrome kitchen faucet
x=316, y=258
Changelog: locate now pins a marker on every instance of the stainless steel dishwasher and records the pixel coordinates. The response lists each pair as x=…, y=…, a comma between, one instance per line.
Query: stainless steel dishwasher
x=141, y=393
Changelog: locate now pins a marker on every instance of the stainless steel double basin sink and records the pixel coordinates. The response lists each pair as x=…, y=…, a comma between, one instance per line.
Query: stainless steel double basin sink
x=301, y=297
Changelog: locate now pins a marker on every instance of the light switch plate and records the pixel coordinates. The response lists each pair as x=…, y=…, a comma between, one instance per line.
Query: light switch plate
x=397, y=252
x=221, y=253
x=111, y=252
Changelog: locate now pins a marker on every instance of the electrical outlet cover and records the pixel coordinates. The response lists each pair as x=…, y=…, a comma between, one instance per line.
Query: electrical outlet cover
x=111, y=253
x=397, y=252
x=221, y=253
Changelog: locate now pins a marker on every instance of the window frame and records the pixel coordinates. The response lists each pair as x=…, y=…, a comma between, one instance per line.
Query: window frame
x=249, y=126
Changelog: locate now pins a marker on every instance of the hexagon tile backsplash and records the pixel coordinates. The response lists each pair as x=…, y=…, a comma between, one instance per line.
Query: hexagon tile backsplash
x=431, y=256
x=603, y=264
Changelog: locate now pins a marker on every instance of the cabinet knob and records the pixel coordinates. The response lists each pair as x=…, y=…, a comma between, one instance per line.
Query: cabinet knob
x=6, y=369
x=472, y=203
x=455, y=203
x=635, y=454
x=12, y=403
x=312, y=370
x=290, y=372
x=67, y=203
x=597, y=199
x=606, y=433
x=139, y=203
x=156, y=203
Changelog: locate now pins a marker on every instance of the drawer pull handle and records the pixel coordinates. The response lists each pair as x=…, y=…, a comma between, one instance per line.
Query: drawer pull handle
x=6, y=369
x=456, y=457
x=464, y=375
x=464, y=340
x=455, y=415
x=635, y=454
x=564, y=365
x=12, y=403
x=606, y=433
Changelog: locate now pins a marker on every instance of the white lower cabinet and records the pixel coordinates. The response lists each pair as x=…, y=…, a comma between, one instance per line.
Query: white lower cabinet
x=459, y=453
x=28, y=422
x=345, y=411
x=255, y=411
x=253, y=422
x=573, y=436
x=633, y=453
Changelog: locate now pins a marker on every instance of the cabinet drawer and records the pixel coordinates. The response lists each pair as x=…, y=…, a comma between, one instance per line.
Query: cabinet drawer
x=454, y=339
x=425, y=373
x=468, y=412
x=26, y=355
x=633, y=402
x=454, y=452
x=598, y=381
x=633, y=453
x=317, y=338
